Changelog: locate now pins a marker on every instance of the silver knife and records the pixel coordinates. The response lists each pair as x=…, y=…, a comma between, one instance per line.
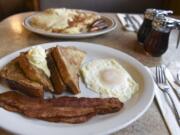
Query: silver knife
x=178, y=39
x=172, y=83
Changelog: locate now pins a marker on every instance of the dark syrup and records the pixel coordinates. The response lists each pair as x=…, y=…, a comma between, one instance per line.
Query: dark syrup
x=144, y=30
x=156, y=43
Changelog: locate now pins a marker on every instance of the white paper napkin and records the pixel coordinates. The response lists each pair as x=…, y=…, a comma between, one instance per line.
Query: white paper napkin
x=166, y=107
x=121, y=17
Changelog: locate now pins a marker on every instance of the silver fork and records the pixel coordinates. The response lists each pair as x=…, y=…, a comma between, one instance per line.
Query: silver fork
x=164, y=87
x=129, y=19
x=127, y=22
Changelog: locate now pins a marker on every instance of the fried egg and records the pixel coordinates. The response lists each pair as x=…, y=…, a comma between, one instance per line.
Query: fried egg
x=62, y=20
x=108, y=78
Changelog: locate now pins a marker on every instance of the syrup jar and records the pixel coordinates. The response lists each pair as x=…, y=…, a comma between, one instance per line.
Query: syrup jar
x=147, y=23
x=157, y=41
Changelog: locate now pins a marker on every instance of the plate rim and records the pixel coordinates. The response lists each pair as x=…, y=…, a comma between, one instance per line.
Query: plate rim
x=99, y=45
x=28, y=27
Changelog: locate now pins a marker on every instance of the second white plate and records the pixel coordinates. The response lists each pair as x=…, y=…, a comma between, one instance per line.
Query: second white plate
x=112, y=25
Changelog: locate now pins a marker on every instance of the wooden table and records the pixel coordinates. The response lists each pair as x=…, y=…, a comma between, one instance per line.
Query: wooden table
x=14, y=37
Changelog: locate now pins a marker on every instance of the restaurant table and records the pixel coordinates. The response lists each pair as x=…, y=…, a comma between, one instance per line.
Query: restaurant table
x=13, y=36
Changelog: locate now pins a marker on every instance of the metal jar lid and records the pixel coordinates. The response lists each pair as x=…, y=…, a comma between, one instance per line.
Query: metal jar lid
x=178, y=24
x=163, y=23
x=150, y=13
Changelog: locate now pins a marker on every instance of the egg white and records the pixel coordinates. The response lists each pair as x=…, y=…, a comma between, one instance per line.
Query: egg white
x=108, y=78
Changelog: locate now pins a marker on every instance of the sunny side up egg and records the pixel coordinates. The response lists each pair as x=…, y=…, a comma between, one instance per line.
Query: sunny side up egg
x=108, y=78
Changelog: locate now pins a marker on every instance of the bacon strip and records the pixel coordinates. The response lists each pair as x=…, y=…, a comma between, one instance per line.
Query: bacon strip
x=101, y=105
x=62, y=109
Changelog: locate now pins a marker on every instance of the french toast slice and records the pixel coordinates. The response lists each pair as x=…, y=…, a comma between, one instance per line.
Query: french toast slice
x=68, y=60
x=15, y=78
x=33, y=73
x=55, y=77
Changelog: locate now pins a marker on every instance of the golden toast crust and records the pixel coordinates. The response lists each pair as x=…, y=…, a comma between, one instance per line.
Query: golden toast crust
x=33, y=73
x=56, y=78
x=68, y=64
x=16, y=79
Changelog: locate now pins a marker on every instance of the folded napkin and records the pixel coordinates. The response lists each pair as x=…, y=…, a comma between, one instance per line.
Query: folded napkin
x=123, y=20
x=166, y=107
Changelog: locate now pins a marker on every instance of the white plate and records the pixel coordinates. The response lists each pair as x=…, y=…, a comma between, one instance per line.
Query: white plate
x=112, y=25
x=98, y=125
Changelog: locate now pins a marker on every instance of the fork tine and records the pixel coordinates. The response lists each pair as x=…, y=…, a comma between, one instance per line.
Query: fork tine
x=164, y=77
x=157, y=79
x=162, y=71
x=159, y=75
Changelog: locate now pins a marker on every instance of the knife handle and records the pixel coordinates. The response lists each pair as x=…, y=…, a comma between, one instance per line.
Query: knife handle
x=176, y=89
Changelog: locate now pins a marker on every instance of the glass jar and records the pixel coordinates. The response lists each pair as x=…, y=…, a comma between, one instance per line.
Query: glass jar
x=157, y=41
x=147, y=23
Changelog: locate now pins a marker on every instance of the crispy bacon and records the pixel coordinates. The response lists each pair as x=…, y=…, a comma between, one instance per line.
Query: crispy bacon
x=101, y=105
x=62, y=109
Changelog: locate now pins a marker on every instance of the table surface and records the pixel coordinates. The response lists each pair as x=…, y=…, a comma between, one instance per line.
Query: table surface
x=14, y=37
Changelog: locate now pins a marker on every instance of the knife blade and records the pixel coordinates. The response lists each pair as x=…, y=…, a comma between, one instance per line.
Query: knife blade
x=178, y=39
x=172, y=83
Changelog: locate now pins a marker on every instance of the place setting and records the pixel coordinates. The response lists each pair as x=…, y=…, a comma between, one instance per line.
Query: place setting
x=167, y=85
x=87, y=87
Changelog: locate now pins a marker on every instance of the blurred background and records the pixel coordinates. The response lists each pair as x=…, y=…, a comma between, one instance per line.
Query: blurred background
x=10, y=7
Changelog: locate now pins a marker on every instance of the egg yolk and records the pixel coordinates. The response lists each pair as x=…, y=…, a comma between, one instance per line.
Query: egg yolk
x=112, y=77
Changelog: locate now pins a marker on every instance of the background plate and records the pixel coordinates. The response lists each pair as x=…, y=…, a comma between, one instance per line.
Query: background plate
x=98, y=125
x=112, y=25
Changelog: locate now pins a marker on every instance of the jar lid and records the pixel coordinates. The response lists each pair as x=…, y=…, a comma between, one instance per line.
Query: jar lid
x=178, y=24
x=150, y=13
x=163, y=23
